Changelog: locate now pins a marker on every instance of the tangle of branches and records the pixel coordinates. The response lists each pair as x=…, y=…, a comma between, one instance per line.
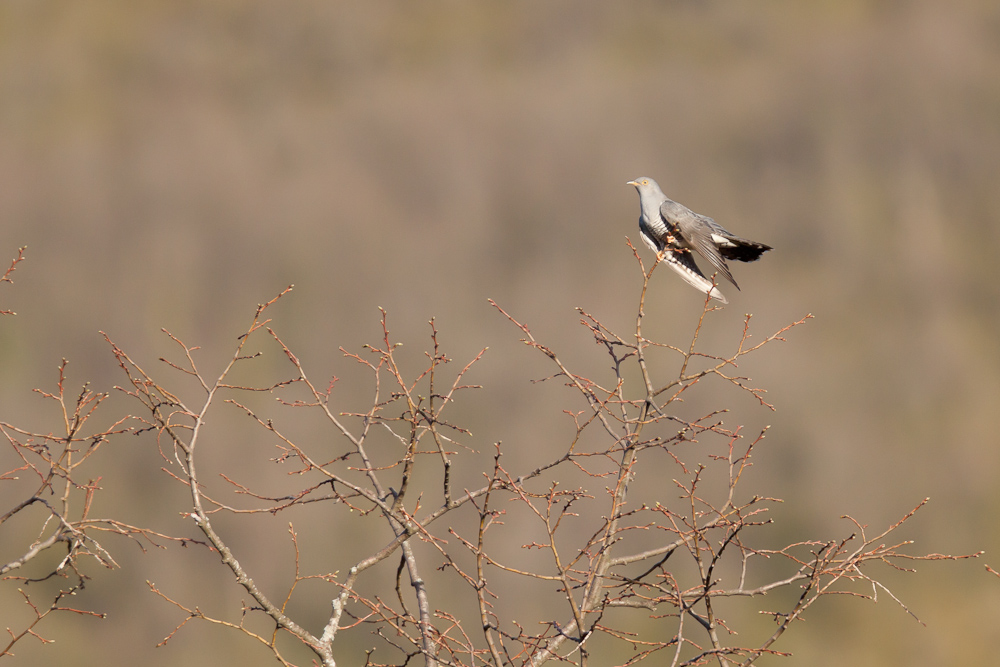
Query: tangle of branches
x=634, y=538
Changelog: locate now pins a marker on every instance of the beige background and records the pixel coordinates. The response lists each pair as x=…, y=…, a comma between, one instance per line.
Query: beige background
x=172, y=164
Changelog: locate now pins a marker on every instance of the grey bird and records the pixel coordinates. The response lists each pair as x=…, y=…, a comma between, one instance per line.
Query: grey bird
x=673, y=231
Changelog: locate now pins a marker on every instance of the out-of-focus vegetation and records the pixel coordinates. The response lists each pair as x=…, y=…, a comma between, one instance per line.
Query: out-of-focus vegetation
x=173, y=164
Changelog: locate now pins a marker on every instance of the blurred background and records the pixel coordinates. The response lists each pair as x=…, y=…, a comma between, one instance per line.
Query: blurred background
x=173, y=164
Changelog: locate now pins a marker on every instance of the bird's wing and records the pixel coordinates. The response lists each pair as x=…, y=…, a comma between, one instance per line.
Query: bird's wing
x=697, y=231
x=681, y=262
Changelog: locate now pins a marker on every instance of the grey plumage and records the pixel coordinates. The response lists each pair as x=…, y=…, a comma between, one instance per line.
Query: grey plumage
x=674, y=231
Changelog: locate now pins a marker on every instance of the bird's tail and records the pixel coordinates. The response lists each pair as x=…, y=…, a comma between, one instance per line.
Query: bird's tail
x=743, y=250
x=716, y=294
x=681, y=263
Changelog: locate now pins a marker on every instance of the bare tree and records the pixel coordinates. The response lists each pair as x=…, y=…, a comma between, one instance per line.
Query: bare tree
x=682, y=560
x=43, y=484
x=6, y=278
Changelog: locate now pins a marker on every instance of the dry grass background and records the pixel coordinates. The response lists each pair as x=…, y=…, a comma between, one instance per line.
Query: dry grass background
x=172, y=164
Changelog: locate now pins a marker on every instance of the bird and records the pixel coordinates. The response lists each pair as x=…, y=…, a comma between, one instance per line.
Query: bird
x=673, y=231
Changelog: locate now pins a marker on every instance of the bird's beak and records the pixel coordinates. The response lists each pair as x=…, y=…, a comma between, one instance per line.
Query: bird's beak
x=632, y=183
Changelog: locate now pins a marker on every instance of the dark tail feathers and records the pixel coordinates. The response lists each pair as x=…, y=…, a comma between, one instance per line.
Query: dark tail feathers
x=744, y=250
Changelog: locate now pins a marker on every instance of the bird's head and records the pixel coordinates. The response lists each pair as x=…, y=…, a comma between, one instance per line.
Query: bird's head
x=644, y=183
x=648, y=189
